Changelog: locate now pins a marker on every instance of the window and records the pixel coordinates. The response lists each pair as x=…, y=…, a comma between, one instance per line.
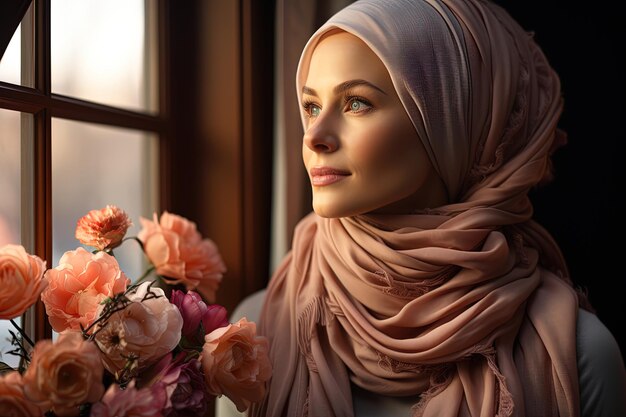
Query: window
x=203, y=73
x=83, y=124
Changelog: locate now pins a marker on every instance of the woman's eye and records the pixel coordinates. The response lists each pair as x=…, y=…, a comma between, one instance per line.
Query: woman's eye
x=311, y=110
x=357, y=105
x=314, y=110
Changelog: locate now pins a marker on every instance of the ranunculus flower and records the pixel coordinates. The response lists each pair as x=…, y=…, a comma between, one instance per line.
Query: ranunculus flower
x=104, y=228
x=129, y=402
x=195, y=313
x=64, y=374
x=181, y=255
x=235, y=363
x=12, y=400
x=21, y=280
x=77, y=287
x=146, y=329
x=181, y=383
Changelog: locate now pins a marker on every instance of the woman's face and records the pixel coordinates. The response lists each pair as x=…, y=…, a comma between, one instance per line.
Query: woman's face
x=360, y=148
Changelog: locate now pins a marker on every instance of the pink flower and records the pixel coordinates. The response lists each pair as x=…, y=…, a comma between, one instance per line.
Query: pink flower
x=179, y=253
x=104, y=228
x=146, y=329
x=77, y=287
x=65, y=374
x=198, y=318
x=235, y=363
x=12, y=400
x=181, y=382
x=190, y=398
x=20, y=279
x=128, y=402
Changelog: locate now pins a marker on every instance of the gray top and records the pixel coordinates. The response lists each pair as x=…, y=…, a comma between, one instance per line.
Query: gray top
x=600, y=369
x=601, y=372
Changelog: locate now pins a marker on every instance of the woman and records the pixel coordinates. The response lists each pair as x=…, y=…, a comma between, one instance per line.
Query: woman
x=421, y=285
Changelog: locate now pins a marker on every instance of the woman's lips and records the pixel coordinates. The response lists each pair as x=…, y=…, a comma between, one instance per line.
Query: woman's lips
x=321, y=176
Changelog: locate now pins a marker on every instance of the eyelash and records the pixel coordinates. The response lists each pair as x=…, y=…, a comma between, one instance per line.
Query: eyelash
x=347, y=100
x=306, y=106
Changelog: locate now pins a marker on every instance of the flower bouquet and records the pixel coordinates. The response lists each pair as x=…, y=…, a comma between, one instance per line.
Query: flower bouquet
x=146, y=348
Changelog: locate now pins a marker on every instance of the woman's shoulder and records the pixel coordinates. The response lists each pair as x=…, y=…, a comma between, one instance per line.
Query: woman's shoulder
x=249, y=307
x=601, y=369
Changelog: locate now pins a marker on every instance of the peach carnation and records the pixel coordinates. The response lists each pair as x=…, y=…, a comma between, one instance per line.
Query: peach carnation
x=181, y=255
x=236, y=364
x=21, y=280
x=104, y=228
x=12, y=399
x=77, y=287
x=146, y=329
x=64, y=374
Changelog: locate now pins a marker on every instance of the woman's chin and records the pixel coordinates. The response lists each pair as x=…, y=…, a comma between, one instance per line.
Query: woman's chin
x=337, y=209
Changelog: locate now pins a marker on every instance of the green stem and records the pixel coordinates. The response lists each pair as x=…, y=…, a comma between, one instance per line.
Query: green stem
x=135, y=238
x=24, y=335
x=145, y=274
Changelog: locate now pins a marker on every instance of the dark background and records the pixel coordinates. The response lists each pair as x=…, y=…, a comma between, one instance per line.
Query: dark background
x=584, y=206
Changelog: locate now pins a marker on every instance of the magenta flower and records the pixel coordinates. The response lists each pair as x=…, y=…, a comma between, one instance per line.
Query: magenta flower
x=179, y=383
x=199, y=319
x=190, y=398
x=128, y=402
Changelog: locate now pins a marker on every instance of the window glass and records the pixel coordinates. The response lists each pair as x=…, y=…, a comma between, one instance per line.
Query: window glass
x=10, y=177
x=100, y=52
x=10, y=205
x=94, y=166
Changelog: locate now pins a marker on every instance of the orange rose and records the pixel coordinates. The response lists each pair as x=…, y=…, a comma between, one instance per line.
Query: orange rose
x=104, y=228
x=179, y=253
x=20, y=279
x=147, y=329
x=235, y=363
x=77, y=287
x=12, y=400
x=65, y=374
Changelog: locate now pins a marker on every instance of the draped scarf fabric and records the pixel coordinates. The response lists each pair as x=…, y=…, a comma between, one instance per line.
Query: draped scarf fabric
x=466, y=307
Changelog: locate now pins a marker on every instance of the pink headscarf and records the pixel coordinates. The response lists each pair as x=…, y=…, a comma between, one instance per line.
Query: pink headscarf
x=466, y=307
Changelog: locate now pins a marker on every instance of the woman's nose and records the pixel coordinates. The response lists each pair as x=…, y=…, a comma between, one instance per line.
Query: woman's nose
x=320, y=137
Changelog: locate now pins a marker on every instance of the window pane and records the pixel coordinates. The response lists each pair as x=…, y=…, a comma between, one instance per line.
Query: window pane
x=10, y=205
x=101, y=52
x=17, y=62
x=5, y=342
x=10, y=177
x=93, y=166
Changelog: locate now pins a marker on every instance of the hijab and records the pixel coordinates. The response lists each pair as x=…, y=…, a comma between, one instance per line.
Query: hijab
x=467, y=307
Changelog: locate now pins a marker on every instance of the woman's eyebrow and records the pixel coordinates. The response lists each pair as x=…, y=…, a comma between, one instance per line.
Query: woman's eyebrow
x=346, y=85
